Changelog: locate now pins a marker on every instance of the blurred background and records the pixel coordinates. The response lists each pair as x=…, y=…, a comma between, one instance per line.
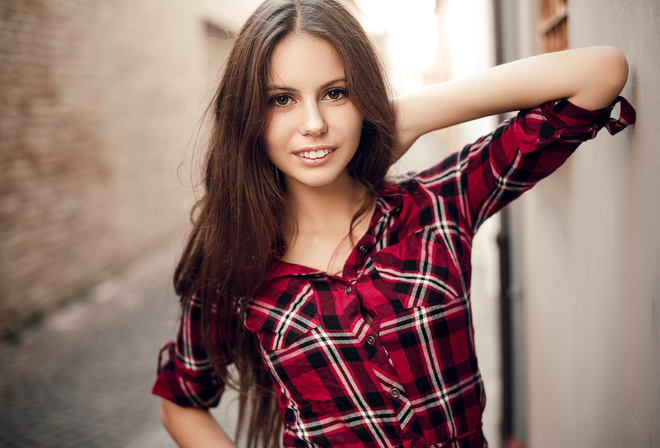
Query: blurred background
x=100, y=137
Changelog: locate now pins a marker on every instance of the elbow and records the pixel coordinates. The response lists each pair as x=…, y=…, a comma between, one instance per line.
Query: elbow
x=605, y=74
x=619, y=67
x=614, y=73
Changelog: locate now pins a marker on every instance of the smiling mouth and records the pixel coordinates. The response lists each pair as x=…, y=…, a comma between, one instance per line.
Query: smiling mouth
x=318, y=154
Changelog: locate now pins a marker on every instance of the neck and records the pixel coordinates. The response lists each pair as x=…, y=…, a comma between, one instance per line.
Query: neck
x=327, y=209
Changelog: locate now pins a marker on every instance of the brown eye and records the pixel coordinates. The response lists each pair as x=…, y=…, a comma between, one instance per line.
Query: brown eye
x=337, y=94
x=280, y=100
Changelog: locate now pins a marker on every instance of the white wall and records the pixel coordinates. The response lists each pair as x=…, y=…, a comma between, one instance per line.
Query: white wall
x=592, y=261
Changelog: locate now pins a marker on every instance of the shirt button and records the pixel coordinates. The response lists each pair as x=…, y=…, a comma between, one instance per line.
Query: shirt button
x=363, y=249
x=371, y=340
x=348, y=290
x=395, y=392
x=411, y=186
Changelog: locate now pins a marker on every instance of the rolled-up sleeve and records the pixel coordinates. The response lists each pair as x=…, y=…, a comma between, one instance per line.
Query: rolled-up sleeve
x=485, y=176
x=185, y=374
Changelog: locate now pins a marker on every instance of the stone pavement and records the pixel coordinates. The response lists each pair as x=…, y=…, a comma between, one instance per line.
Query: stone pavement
x=83, y=378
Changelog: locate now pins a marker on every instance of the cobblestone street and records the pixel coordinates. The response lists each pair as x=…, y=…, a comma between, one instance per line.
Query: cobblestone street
x=83, y=378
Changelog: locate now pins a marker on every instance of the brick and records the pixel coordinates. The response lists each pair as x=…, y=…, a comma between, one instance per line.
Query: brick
x=98, y=101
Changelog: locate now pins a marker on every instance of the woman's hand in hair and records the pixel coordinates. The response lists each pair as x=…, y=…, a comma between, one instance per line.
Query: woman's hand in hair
x=588, y=77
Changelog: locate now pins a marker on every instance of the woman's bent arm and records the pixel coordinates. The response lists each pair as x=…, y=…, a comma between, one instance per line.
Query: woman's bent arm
x=191, y=427
x=588, y=77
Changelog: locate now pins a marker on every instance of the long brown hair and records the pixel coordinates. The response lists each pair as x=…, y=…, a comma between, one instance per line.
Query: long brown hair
x=236, y=231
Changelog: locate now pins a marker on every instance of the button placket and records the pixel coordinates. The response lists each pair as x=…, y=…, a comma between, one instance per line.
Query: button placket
x=389, y=383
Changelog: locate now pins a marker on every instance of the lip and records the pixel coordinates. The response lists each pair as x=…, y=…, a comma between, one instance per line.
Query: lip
x=317, y=161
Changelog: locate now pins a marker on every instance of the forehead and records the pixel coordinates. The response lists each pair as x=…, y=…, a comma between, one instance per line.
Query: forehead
x=304, y=61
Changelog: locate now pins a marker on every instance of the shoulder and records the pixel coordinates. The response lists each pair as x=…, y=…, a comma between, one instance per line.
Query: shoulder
x=419, y=199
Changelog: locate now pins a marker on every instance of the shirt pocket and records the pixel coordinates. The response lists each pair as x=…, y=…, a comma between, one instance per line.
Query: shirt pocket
x=279, y=325
x=288, y=335
x=417, y=271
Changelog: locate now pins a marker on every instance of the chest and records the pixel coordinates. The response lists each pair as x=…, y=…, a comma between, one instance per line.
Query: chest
x=382, y=281
x=320, y=251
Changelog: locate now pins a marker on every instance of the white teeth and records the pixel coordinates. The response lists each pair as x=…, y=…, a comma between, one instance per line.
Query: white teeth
x=315, y=154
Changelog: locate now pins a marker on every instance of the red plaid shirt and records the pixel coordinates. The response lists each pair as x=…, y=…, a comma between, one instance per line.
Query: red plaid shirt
x=410, y=379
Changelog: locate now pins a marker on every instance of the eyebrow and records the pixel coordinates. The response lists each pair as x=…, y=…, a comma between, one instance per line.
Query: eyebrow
x=324, y=86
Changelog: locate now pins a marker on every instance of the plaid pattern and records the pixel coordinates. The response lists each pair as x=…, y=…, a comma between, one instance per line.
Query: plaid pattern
x=410, y=379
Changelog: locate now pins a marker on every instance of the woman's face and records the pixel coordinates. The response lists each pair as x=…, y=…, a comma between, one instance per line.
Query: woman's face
x=313, y=127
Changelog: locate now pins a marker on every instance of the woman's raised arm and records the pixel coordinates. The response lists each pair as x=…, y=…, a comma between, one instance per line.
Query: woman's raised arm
x=591, y=78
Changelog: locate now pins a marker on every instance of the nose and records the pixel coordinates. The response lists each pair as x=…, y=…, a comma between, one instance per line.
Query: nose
x=313, y=123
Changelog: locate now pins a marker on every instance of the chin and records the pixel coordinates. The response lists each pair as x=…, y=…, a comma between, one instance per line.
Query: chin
x=315, y=181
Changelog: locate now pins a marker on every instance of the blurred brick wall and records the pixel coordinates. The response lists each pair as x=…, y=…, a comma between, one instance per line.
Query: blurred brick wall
x=98, y=101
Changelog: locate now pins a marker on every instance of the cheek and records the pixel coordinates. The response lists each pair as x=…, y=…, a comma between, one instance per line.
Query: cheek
x=356, y=122
x=273, y=134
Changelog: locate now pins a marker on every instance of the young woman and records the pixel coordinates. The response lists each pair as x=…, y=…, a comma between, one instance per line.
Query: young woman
x=342, y=299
